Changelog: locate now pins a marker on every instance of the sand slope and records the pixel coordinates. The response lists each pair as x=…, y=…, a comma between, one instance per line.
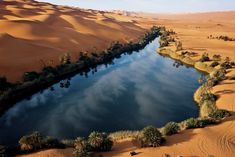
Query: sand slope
x=35, y=32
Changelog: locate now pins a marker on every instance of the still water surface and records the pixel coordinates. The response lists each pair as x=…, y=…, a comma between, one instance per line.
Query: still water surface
x=136, y=90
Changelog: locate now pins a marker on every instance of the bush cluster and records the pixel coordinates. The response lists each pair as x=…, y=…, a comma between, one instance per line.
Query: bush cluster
x=36, y=141
x=165, y=38
x=206, y=108
x=207, y=97
x=204, y=57
x=221, y=37
x=151, y=137
x=171, y=128
x=227, y=64
x=81, y=148
x=218, y=76
x=100, y=141
x=214, y=64
x=198, y=122
x=96, y=142
x=219, y=114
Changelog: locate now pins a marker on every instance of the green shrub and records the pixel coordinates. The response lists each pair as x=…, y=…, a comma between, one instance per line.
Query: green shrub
x=207, y=97
x=206, y=108
x=217, y=76
x=81, y=148
x=219, y=114
x=214, y=64
x=151, y=137
x=204, y=57
x=226, y=65
x=30, y=76
x=206, y=121
x=36, y=141
x=31, y=142
x=171, y=128
x=198, y=122
x=191, y=123
x=100, y=141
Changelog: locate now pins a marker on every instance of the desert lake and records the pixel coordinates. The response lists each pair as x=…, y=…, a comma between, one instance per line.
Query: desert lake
x=135, y=90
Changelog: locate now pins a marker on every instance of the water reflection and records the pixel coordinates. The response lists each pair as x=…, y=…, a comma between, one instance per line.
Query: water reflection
x=133, y=91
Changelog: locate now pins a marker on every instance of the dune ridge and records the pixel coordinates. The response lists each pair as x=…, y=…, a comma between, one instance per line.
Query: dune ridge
x=42, y=32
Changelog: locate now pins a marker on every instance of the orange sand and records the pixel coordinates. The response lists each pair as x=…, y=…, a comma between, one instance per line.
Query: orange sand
x=33, y=34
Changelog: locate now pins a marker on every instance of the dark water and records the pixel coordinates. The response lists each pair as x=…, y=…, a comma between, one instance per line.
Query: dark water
x=140, y=89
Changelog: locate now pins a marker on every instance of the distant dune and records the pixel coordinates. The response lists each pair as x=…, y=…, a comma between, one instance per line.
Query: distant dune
x=33, y=33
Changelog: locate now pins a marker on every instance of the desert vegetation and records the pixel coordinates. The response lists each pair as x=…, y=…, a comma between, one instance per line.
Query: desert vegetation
x=166, y=37
x=221, y=37
x=198, y=122
x=171, y=128
x=37, y=141
x=204, y=57
x=209, y=114
x=152, y=137
x=100, y=141
x=83, y=147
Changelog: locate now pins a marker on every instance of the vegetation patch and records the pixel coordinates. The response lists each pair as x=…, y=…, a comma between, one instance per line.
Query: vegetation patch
x=214, y=64
x=100, y=141
x=119, y=135
x=81, y=148
x=36, y=142
x=198, y=122
x=152, y=137
x=171, y=128
x=227, y=64
x=206, y=108
x=221, y=37
x=219, y=114
x=204, y=57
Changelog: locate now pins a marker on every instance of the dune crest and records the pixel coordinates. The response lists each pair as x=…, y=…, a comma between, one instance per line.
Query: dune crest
x=42, y=32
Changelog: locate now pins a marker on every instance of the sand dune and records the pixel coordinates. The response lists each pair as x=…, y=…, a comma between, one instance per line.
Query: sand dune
x=47, y=31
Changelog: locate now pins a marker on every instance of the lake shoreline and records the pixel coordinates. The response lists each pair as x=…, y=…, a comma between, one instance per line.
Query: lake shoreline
x=169, y=52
